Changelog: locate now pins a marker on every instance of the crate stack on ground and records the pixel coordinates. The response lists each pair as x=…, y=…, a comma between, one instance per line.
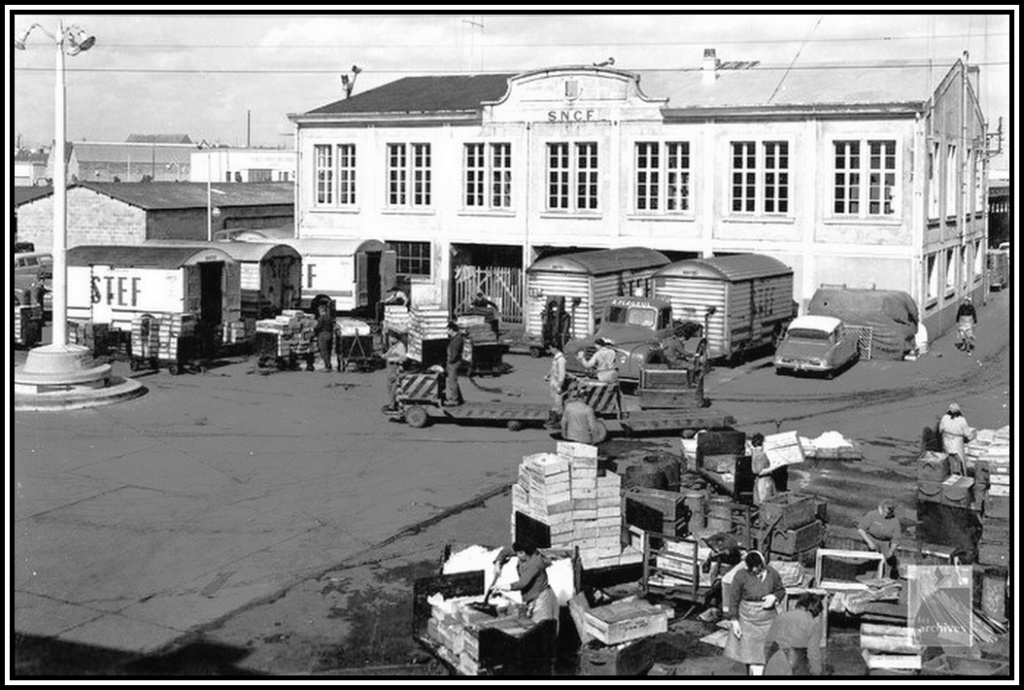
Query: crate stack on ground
x=457, y=629
x=989, y=454
x=239, y=332
x=679, y=564
x=28, y=325
x=428, y=334
x=292, y=330
x=161, y=338
x=791, y=527
x=944, y=504
x=889, y=648
x=581, y=506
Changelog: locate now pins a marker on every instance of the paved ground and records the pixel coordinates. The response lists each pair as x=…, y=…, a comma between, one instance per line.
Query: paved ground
x=237, y=510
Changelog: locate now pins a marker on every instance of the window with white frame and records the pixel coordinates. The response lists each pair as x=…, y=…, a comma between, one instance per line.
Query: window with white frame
x=335, y=174
x=965, y=266
x=950, y=271
x=864, y=178
x=932, y=276
x=662, y=176
x=346, y=174
x=411, y=258
x=951, y=180
x=572, y=174
x=323, y=156
x=760, y=177
x=488, y=176
x=979, y=261
x=933, y=181
x=408, y=175
x=979, y=181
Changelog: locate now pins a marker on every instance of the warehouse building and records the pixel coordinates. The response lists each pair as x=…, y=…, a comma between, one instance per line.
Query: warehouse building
x=121, y=213
x=864, y=175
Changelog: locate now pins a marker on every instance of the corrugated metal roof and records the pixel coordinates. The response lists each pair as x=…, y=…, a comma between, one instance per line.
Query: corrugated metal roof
x=424, y=94
x=23, y=195
x=732, y=268
x=143, y=256
x=141, y=154
x=601, y=261
x=180, y=195
x=826, y=84
x=251, y=252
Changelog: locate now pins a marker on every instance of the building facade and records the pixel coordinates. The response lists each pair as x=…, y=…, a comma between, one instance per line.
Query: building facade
x=243, y=165
x=849, y=175
x=29, y=168
x=127, y=214
x=131, y=161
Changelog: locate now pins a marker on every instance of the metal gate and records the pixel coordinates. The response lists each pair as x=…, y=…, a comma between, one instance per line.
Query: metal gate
x=503, y=285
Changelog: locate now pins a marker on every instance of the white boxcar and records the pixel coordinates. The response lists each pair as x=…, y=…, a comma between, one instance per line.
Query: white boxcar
x=588, y=280
x=113, y=284
x=270, y=273
x=353, y=273
x=752, y=295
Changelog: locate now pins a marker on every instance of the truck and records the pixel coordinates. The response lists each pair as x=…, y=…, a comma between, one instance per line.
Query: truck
x=635, y=326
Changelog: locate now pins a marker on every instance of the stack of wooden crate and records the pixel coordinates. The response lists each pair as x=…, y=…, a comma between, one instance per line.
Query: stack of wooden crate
x=889, y=648
x=396, y=318
x=581, y=506
x=680, y=563
x=428, y=326
x=293, y=329
x=991, y=456
x=791, y=527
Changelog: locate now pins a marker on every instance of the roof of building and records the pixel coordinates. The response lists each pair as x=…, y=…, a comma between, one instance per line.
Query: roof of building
x=424, y=94
x=816, y=323
x=250, y=252
x=144, y=256
x=733, y=268
x=27, y=156
x=23, y=195
x=140, y=153
x=601, y=261
x=160, y=139
x=871, y=82
x=178, y=195
x=737, y=84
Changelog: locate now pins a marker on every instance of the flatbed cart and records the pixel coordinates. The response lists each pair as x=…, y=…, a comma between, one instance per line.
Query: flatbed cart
x=270, y=353
x=171, y=342
x=419, y=402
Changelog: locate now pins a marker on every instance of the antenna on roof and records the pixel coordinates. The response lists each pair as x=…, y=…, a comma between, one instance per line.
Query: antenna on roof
x=350, y=82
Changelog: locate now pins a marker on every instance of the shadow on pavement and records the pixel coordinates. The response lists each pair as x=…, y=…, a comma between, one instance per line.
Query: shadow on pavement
x=36, y=656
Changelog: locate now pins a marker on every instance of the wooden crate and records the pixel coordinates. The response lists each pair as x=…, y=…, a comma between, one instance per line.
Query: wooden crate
x=623, y=621
x=787, y=511
x=793, y=541
x=823, y=578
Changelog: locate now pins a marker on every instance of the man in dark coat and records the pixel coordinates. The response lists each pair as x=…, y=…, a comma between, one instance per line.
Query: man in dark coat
x=456, y=341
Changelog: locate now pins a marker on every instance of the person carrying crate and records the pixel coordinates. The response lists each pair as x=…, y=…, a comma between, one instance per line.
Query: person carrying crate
x=453, y=361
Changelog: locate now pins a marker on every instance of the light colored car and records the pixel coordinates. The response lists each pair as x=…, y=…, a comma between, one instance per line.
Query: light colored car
x=33, y=269
x=818, y=344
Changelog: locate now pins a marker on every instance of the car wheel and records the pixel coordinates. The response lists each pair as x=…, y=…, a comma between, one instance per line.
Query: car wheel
x=416, y=416
x=515, y=425
x=535, y=352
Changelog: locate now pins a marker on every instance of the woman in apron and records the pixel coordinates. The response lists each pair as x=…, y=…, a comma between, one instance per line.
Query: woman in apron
x=752, y=600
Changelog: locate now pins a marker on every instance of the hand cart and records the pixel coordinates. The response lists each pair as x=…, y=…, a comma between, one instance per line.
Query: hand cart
x=170, y=341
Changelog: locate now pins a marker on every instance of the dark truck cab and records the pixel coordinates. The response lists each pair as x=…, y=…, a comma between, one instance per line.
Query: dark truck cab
x=635, y=326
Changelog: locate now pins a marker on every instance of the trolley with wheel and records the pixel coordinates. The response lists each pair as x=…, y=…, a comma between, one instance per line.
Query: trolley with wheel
x=164, y=341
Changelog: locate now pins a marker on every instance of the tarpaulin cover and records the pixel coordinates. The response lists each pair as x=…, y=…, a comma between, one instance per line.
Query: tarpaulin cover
x=891, y=314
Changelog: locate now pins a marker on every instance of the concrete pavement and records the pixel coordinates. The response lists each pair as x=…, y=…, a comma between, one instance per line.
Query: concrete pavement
x=137, y=523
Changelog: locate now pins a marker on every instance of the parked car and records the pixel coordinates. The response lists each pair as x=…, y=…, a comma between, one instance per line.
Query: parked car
x=998, y=269
x=34, y=270
x=817, y=344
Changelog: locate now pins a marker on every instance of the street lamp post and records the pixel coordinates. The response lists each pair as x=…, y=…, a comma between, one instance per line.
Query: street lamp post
x=73, y=41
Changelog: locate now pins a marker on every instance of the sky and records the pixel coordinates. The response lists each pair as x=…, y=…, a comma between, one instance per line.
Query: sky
x=232, y=78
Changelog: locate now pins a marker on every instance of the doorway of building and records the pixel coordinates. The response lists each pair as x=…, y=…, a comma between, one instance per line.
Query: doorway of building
x=211, y=305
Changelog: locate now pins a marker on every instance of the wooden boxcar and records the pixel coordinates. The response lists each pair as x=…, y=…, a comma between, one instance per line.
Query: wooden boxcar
x=752, y=296
x=588, y=280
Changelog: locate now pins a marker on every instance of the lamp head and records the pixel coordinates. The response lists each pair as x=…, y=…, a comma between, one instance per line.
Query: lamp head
x=79, y=40
x=19, y=40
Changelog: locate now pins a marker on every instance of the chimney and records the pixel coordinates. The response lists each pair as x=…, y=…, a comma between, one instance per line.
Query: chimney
x=710, y=66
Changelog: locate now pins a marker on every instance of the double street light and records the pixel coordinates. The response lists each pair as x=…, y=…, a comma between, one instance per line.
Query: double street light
x=70, y=40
